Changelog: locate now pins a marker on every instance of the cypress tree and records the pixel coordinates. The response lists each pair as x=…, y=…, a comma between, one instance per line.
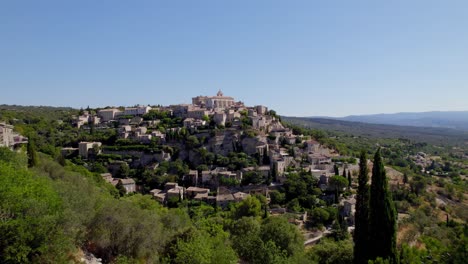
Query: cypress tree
x=344, y=172
x=336, y=170
x=382, y=215
x=32, y=155
x=361, y=232
x=350, y=180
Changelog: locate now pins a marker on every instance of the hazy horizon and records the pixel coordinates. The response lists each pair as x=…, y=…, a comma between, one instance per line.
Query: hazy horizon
x=299, y=58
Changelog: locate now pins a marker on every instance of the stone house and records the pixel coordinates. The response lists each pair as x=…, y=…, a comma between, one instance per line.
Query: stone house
x=198, y=113
x=191, y=178
x=146, y=139
x=158, y=195
x=138, y=110
x=85, y=147
x=109, y=114
x=312, y=146
x=290, y=140
x=220, y=118
x=158, y=134
x=261, y=110
x=194, y=191
x=224, y=200
x=137, y=120
x=107, y=177
x=259, y=122
x=316, y=158
x=124, y=121
x=65, y=152
x=348, y=209
x=177, y=192
x=171, y=191
x=129, y=185
x=231, y=115
x=140, y=131
x=240, y=196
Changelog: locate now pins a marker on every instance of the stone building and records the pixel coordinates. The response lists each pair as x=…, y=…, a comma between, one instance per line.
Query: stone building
x=85, y=147
x=109, y=114
x=212, y=102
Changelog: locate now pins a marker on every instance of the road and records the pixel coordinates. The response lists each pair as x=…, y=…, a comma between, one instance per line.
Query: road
x=317, y=238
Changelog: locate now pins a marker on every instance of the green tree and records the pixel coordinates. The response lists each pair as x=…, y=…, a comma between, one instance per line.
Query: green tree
x=32, y=154
x=337, y=172
x=30, y=214
x=382, y=215
x=284, y=235
x=405, y=178
x=418, y=184
x=361, y=232
x=318, y=216
x=409, y=255
x=205, y=248
x=246, y=240
x=121, y=188
x=252, y=177
x=337, y=183
x=92, y=128
x=251, y=206
x=350, y=179
x=124, y=170
x=277, y=197
x=339, y=229
x=122, y=227
x=332, y=252
x=61, y=160
x=192, y=142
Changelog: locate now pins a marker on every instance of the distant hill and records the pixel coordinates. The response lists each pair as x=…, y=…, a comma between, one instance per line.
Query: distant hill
x=453, y=119
x=433, y=135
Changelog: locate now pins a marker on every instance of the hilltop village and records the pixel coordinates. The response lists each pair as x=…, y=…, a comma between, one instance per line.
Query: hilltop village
x=215, y=150
x=215, y=164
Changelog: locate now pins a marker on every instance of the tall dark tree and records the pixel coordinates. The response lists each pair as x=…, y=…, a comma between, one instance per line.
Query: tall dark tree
x=361, y=232
x=336, y=170
x=32, y=155
x=91, y=128
x=344, y=172
x=121, y=188
x=382, y=215
x=350, y=179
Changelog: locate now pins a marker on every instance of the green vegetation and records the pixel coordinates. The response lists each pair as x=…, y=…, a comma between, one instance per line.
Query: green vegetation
x=32, y=155
x=357, y=130
x=53, y=208
x=50, y=212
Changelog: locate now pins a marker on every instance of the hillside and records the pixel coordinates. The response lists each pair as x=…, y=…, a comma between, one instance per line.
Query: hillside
x=240, y=186
x=437, y=136
x=450, y=119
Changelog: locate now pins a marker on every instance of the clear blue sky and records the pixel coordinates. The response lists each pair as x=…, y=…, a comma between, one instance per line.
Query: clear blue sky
x=300, y=58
